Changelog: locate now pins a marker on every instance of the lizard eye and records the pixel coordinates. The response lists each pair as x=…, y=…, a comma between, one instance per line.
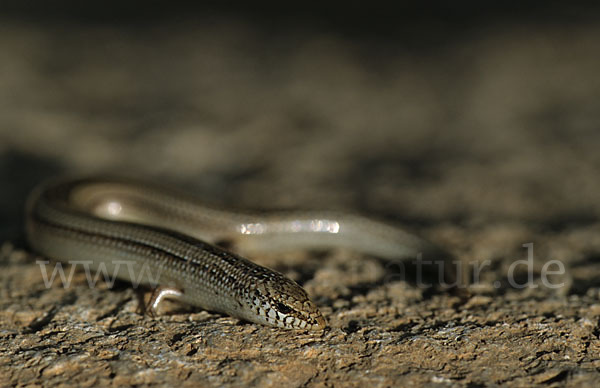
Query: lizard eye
x=283, y=308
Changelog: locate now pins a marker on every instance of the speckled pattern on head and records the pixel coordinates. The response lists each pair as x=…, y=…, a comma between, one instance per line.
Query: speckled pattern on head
x=279, y=301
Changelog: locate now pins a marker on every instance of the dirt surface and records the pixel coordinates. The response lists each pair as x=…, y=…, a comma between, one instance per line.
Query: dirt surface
x=482, y=144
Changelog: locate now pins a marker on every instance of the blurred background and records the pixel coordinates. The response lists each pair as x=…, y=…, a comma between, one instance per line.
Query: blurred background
x=464, y=115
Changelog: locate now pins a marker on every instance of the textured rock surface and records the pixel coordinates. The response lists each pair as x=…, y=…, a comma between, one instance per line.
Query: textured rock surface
x=482, y=145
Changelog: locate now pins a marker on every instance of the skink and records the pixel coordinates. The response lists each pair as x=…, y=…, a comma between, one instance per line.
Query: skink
x=167, y=238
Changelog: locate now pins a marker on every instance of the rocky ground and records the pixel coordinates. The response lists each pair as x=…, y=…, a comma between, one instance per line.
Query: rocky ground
x=482, y=142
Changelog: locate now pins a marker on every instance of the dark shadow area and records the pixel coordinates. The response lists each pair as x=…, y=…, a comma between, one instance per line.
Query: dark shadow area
x=583, y=274
x=424, y=25
x=19, y=174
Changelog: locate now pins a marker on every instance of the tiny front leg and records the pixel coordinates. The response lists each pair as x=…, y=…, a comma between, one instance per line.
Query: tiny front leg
x=158, y=295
